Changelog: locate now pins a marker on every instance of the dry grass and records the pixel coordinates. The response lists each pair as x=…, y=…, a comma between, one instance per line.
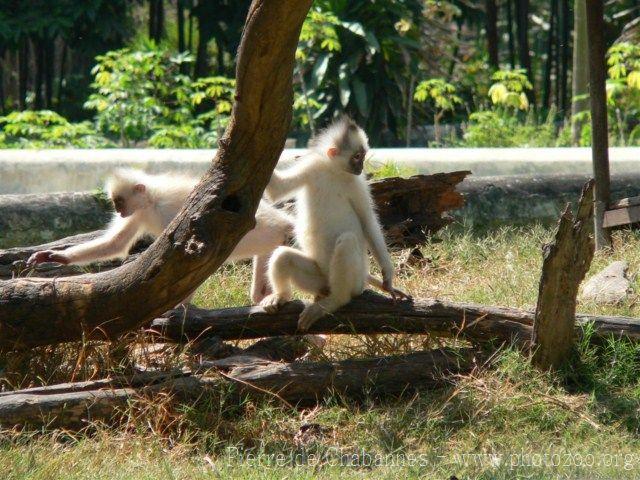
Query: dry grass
x=489, y=424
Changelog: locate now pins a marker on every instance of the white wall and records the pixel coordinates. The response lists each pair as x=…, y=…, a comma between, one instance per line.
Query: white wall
x=41, y=171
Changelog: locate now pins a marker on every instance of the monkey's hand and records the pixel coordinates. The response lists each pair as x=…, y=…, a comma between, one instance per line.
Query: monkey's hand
x=396, y=294
x=48, y=256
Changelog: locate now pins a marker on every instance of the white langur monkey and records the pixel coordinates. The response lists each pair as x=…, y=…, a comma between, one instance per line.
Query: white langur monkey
x=335, y=225
x=145, y=204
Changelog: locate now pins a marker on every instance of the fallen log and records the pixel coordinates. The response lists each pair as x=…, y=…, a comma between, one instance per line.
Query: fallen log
x=13, y=260
x=302, y=383
x=372, y=313
x=410, y=210
x=74, y=405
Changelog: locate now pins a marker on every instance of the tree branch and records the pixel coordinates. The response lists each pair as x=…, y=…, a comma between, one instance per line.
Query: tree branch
x=218, y=213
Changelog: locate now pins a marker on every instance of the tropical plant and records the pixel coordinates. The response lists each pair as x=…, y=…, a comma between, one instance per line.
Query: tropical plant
x=509, y=90
x=141, y=95
x=358, y=57
x=489, y=128
x=47, y=129
x=442, y=95
x=623, y=91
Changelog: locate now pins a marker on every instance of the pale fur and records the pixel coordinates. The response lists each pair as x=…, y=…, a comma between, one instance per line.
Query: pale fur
x=335, y=223
x=154, y=209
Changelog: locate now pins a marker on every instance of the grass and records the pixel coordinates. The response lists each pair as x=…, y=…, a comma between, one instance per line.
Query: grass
x=504, y=422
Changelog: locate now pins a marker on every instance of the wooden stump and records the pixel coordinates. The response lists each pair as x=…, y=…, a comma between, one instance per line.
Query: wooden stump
x=566, y=262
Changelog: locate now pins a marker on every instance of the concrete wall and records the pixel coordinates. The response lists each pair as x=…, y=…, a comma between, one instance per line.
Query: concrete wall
x=44, y=171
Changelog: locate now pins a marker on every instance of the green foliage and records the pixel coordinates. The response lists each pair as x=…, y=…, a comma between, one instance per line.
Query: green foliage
x=142, y=95
x=623, y=92
x=355, y=57
x=319, y=32
x=441, y=93
x=47, y=129
x=491, y=129
x=509, y=89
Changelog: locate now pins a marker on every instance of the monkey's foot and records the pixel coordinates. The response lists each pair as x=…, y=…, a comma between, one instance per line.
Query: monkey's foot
x=272, y=303
x=310, y=315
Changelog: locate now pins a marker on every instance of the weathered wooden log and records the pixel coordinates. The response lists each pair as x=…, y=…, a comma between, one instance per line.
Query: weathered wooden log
x=372, y=313
x=302, y=383
x=410, y=210
x=74, y=405
x=50, y=216
x=566, y=262
x=220, y=210
x=13, y=261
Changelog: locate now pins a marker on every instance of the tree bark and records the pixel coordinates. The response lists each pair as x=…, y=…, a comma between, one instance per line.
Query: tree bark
x=599, y=125
x=566, y=262
x=372, y=313
x=13, y=260
x=61, y=77
x=580, y=69
x=204, y=12
x=217, y=214
x=156, y=20
x=522, y=29
x=565, y=51
x=2, y=63
x=548, y=68
x=23, y=73
x=49, y=57
x=511, y=41
x=180, y=22
x=491, y=26
x=37, y=46
x=306, y=383
x=73, y=405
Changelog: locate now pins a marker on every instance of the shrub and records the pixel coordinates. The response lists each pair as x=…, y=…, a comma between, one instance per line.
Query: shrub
x=491, y=129
x=143, y=96
x=47, y=129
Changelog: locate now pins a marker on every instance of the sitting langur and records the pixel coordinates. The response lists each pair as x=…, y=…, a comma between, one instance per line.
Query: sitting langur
x=335, y=224
x=145, y=204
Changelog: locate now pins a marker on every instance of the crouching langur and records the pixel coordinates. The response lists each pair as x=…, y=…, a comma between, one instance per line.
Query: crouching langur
x=335, y=226
x=145, y=204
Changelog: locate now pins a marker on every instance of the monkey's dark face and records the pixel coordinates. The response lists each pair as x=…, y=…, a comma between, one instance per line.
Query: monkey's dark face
x=356, y=161
x=120, y=206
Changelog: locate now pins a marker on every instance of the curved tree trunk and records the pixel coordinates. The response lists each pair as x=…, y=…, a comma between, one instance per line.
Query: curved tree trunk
x=217, y=214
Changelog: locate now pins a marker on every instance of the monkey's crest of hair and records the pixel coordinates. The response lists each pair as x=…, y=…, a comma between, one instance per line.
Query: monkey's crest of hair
x=343, y=133
x=123, y=180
